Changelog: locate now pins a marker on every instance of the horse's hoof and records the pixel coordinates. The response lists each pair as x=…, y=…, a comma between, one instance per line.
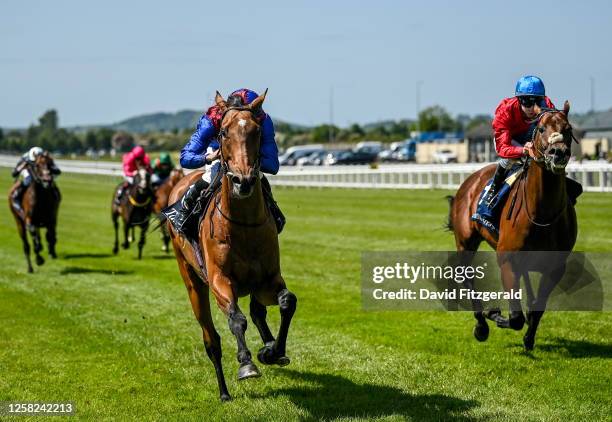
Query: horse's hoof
x=225, y=397
x=115, y=250
x=529, y=343
x=30, y=270
x=268, y=356
x=53, y=255
x=248, y=370
x=481, y=332
x=517, y=321
x=40, y=260
x=125, y=245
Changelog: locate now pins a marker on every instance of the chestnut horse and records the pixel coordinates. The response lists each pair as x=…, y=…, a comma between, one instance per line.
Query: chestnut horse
x=542, y=219
x=239, y=241
x=162, y=193
x=39, y=208
x=134, y=209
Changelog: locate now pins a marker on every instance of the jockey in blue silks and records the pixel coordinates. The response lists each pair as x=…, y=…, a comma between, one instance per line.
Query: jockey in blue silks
x=203, y=149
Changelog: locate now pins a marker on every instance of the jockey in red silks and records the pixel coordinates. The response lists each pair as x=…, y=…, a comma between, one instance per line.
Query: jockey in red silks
x=132, y=161
x=514, y=123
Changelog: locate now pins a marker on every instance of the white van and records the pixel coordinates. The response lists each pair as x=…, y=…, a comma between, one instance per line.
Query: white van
x=290, y=157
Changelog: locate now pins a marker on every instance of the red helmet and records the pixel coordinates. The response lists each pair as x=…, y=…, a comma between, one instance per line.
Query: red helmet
x=138, y=152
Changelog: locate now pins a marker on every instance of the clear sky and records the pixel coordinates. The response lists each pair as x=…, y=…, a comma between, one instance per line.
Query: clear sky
x=101, y=62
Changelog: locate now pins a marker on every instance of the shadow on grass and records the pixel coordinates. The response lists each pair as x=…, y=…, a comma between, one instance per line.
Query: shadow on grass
x=87, y=255
x=334, y=396
x=577, y=348
x=168, y=256
x=82, y=270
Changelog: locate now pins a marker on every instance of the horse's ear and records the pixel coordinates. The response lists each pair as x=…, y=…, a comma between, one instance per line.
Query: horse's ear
x=219, y=100
x=258, y=102
x=566, y=108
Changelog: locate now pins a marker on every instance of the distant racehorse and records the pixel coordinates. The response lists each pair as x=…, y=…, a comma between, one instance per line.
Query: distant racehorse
x=39, y=208
x=162, y=193
x=239, y=241
x=134, y=209
x=542, y=219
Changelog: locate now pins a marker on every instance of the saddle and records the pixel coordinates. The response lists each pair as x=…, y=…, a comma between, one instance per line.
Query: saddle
x=488, y=213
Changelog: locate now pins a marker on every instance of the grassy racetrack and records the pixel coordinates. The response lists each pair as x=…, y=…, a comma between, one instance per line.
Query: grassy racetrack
x=117, y=336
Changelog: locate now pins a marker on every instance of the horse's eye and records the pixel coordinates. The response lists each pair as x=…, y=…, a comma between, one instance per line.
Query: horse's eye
x=541, y=129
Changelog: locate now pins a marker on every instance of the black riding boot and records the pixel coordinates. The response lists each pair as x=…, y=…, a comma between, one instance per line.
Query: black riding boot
x=277, y=214
x=498, y=179
x=188, y=202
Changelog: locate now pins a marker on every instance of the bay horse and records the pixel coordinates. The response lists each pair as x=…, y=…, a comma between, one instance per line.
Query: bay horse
x=162, y=193
x=543, y=219
x=134, y=209
x=39, y=208
x=239, y=241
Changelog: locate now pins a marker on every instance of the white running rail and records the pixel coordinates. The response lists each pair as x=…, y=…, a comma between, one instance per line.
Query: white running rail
x=594, y=176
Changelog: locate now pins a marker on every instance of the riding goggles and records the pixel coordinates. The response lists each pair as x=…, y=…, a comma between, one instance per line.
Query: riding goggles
x=528, y=101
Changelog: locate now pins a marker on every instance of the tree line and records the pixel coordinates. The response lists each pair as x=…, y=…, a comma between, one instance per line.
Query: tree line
x=49, y=135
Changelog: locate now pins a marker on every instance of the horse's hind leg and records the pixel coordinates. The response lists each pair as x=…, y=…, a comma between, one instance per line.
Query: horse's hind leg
x=198, y=295
x=537, y=308
x=258, y=315
x=165, y=238
x=466, y=250
x=274, y=351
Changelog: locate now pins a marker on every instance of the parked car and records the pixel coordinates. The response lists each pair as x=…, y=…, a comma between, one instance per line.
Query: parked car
x=373, y=147
x=399, y=151
x=350, y=157
x=290, y=157
x=313, y=159
x=444, y=156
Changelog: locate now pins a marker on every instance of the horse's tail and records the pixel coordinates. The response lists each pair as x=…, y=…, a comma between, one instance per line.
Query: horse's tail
x=449, y=222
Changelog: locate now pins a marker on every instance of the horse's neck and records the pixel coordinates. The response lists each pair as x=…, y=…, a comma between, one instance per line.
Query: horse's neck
x=547, y=191
x=249, y=210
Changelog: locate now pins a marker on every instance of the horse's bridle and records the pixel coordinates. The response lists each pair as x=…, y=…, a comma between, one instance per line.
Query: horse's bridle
x=225, y=170
x=543, y=158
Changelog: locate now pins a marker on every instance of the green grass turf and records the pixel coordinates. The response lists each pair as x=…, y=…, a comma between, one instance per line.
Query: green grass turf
x=117, y=337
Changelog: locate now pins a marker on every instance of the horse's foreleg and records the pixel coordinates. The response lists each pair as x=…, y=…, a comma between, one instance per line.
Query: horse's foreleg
x=21, y=228
x=275, y=352
x=116, y=226
x=143, y=235
x=35, y=234
x=228, y=302
x=126, y=229
x=538, y=306
x=51, y=240
x=200, y=303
